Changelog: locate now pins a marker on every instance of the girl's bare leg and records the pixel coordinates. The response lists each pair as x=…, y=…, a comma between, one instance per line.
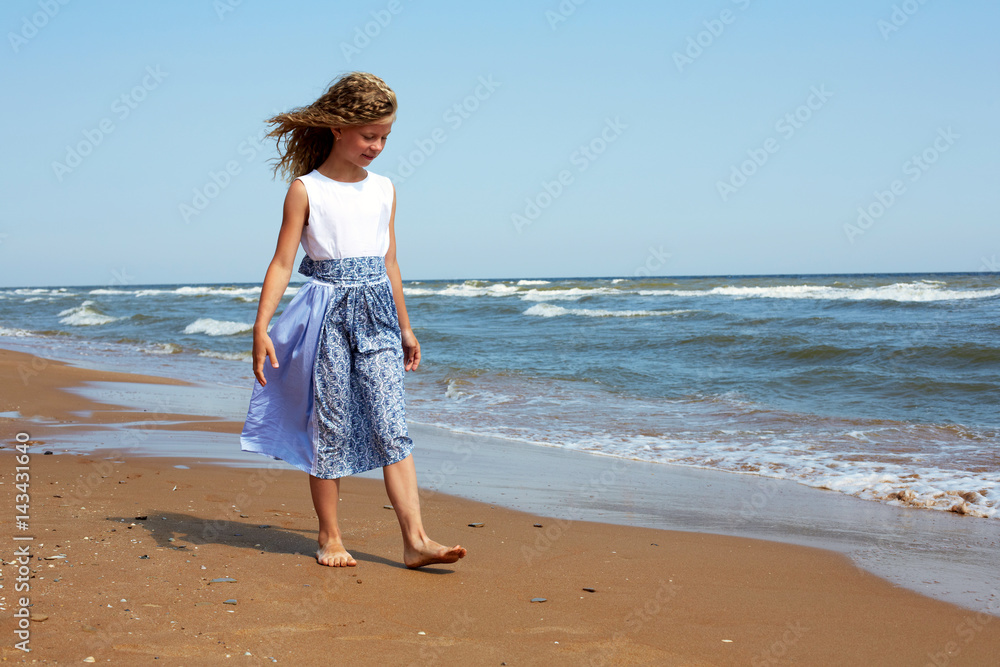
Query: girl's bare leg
x=326, y=495
x=418, y=549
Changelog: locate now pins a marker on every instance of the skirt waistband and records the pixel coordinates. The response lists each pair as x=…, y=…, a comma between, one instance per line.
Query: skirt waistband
x=346, y=271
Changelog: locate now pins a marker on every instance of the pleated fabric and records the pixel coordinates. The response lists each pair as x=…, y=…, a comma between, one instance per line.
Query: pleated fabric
x=335, y=405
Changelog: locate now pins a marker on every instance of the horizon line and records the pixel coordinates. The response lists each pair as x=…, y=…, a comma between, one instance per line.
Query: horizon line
x=552, y=278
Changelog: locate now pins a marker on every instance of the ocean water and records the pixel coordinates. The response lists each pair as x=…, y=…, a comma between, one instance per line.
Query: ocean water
x=886, y=387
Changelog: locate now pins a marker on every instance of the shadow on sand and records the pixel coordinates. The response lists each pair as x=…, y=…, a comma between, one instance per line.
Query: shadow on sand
x=187, y=530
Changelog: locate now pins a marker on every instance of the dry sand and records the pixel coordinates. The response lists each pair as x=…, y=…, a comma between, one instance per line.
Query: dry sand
x=131, y=589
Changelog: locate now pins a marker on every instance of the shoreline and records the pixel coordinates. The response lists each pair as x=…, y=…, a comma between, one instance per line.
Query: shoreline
x=661, y=596
x=708, y=276
x=939, y=554
x=168, y=559
x=742, y=407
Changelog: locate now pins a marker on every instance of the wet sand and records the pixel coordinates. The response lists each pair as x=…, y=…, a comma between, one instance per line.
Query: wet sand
x=133, y=589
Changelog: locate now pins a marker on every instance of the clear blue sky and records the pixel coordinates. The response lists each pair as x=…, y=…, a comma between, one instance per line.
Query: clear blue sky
x=184, y=88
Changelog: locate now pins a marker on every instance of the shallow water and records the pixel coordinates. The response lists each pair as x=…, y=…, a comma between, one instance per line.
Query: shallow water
x=883, y=387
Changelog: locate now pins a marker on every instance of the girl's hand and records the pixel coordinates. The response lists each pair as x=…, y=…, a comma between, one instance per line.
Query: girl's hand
x=262, y=348
x=411, y=350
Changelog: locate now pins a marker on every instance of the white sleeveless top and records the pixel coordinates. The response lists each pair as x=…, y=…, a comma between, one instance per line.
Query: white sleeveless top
x=347, y=219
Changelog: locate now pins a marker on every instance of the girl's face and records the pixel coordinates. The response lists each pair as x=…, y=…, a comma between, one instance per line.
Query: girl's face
x=360, y=144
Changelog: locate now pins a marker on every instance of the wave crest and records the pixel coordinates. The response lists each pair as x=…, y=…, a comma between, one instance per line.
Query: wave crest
x=210, y=327
x=550, y=310
x=85, y=315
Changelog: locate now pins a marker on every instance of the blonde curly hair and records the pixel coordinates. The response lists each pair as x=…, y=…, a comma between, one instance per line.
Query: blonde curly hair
x=303, y=135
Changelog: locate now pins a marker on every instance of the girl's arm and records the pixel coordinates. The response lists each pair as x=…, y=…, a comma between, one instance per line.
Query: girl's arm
x=293, y=219
x=411, y=348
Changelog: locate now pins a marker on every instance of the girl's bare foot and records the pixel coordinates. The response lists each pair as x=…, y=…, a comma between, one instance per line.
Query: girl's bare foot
x=334, y=554
x=430, y=552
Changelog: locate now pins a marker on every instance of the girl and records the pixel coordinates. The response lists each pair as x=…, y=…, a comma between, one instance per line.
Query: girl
x=331, y=400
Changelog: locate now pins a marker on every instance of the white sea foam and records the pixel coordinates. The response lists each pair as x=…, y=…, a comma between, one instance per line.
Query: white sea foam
x=700, y=433
x=108, y=290
x=571, y=294
x=85, y=315
x=193, y=290
x=18, y=333
x=419, y=291
x=161, y=348
x=926, y=487
x=905, y=484
x=217, y=291
x=44, y=291
x=922, y=291
x=229, y=356
x=475, y=288
x=550, y=310
x=210, y=327
x=34, y=298
x=453, y=391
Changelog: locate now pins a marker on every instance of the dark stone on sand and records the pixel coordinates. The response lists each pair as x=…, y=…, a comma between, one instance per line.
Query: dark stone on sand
x=144, y=557
x=141, y=518
x=538, y=599
x=47, y=452
x=590, y=590
x=229, y=601
x=223, y=580
x=538, y=525
x=476, y=525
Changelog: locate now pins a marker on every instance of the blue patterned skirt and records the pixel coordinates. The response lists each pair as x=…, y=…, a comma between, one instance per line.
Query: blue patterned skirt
x=335, y=404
